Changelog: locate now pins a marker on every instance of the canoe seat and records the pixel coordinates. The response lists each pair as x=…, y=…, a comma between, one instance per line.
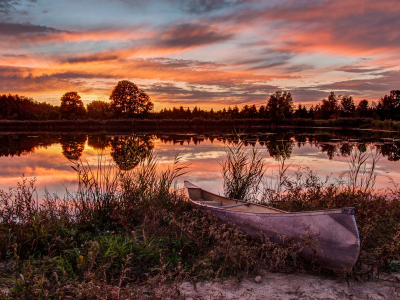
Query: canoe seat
x=211, y=203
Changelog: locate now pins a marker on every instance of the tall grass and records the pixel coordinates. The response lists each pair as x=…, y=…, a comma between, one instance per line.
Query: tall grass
x=242, y=172
x=119, y=236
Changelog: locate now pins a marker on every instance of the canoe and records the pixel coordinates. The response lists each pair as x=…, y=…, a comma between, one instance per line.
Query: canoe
x=336, y=233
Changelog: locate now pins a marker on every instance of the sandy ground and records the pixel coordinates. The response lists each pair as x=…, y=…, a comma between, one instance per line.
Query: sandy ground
x=294, y=286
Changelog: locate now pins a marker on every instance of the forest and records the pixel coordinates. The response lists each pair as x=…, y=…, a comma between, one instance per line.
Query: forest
x=129, y=101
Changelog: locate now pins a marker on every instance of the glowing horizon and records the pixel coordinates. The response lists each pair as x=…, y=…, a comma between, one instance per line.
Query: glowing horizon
x=205, y=53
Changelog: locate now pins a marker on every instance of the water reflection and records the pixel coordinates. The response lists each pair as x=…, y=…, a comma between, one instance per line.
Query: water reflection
x=21, y=144
x=48, y=155
x=73, y=145
x=125, y=150
x=128, y=151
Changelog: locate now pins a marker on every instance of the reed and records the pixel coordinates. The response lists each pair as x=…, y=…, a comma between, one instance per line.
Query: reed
x=118, y=231
x=242, y=171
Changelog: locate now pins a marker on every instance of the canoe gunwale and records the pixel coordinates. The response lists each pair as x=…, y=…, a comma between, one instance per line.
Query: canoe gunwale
x=285, y=214
x=344, y=210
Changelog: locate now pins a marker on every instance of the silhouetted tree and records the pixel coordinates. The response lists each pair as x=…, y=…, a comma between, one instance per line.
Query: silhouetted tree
x=329, y=107
x=389, y=106
x=301, y=112
x=362, y=109
x=347, y=106
x=72, y=106
x=262, y=112
x=311, y=112
x=127, y=100
x=14, y=107
x=280, y=105
x=99, y=110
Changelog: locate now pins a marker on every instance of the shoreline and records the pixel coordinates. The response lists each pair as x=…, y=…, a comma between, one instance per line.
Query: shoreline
x=189, y=129
x=197, y=124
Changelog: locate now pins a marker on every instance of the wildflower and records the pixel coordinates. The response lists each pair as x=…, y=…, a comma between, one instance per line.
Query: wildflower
x=107, y=232
x=112, y=232
x=132, y=232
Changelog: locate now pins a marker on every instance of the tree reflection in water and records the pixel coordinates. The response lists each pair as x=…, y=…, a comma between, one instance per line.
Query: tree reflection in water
x=392, y=151
x=280, y=147
x=99, y=141
x=21, y=144
x=128, y=151
x=73, y=145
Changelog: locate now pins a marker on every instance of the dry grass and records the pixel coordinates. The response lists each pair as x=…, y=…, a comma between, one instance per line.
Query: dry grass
x=120, y=236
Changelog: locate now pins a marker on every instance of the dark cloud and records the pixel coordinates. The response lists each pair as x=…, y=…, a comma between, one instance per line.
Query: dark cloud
x=356, y=69
x=383, y=83
x=206, y=6
x=191, y=35
x=375, y=87
x=26, y=28
x=7, y=6
x=178, y=64
x=11, y=6
x=264, y=62
x=13, y=55
x=329, y=24
x=22, y=80
x=90, y=58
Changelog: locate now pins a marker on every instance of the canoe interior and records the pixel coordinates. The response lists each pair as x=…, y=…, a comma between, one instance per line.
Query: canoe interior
x=202, y=197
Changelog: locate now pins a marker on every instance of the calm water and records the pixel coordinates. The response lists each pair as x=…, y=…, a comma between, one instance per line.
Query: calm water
x=48, y=156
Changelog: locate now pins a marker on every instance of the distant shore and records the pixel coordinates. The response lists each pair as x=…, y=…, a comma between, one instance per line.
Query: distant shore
x=193, y=124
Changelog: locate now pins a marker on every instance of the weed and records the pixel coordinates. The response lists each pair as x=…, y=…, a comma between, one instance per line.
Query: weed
x=242, y=172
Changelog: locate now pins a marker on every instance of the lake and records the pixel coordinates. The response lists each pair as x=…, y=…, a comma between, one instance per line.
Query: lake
x=49, y=156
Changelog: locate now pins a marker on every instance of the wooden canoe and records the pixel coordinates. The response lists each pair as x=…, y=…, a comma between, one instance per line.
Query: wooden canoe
x=337, y=238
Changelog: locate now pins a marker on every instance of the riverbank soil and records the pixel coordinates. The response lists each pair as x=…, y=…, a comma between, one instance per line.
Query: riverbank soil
x=294, y=286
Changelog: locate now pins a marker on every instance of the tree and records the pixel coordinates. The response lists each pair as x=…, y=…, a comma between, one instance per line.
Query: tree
x=328, y=108
x=347, y=106
x=72, y=106
x=362, y=108
x=262, y=112
x=389, y=106
x=280, y=105
x=311, y=112
x=98, y=110
x=127, y=100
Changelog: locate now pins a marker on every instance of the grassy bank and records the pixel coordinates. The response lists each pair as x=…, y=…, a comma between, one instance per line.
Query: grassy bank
x=120, y=235
x=124, y=233
x=196, y=123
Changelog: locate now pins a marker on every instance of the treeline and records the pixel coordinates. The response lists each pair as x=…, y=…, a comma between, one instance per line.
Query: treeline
x=128, y=101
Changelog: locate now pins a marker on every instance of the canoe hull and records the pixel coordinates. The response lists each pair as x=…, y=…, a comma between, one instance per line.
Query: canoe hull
x=335, y=231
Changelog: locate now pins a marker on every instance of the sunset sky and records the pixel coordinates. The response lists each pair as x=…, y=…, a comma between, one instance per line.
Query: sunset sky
x=207, y=53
